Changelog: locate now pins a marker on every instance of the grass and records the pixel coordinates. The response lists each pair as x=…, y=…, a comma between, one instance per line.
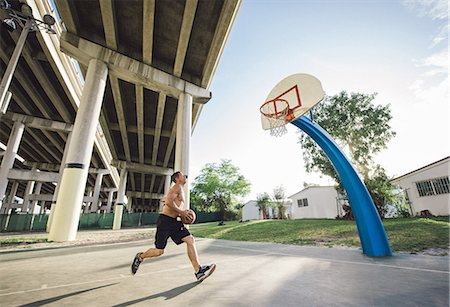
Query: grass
x=405, y=234
x=19, y=241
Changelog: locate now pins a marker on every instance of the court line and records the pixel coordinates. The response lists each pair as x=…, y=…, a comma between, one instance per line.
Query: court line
x=335, y=260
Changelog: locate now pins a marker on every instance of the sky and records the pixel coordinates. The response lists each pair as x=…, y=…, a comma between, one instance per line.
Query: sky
x=398, y=49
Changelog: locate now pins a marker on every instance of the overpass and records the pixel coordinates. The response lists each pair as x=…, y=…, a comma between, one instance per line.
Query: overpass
x=107, y=103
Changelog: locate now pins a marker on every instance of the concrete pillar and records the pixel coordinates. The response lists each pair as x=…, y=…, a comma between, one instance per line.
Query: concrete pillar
x=26, y=196
x=88, y=204
x=12, y=195
x=110, y=200
x=8, y=158
x=98, y=185
x=183, y=143
x=37, y=191
x=120, y=199
x=73, y=182
x=55, y=194
x=167, y=185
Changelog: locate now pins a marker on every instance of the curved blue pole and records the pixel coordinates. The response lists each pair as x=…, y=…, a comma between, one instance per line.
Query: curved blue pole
x=371, y=231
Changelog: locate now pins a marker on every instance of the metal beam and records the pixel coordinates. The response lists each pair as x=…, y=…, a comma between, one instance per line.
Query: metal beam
x=142, y=168
x=37, y=122
x=108, y=18
x=185, y=34
x=130, y=69
x=148, y=25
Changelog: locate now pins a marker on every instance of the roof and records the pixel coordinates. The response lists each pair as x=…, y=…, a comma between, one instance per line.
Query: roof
x=314, y=187
x=421, y=168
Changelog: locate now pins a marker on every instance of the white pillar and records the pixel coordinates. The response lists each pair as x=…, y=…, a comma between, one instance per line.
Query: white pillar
x=167, y=185
x=26, y=196
x=37, y=191
x=12, y=195
x=55, y=194
x=8, y=158
x=110, y=200
x=120, y=199
x=98, y=185
x=73, y=182
x=183, y=143
x=88, y=203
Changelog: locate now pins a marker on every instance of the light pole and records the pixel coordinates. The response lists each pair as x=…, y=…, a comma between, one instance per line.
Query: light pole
x=25, y=19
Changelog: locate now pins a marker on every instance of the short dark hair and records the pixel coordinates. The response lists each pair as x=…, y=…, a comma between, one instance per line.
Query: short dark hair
x=175, y=176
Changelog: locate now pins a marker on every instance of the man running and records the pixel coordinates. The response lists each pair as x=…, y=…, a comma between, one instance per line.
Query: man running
x=168, y=225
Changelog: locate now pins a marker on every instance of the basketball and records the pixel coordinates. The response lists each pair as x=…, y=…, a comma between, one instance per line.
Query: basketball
x=191, y=218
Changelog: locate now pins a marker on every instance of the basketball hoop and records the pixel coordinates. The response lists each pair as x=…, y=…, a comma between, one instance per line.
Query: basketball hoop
x=278, y=114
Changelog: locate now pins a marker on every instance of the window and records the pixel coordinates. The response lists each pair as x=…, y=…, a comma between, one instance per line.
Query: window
x=441, y=185
x=435, y=186
x=302, y=202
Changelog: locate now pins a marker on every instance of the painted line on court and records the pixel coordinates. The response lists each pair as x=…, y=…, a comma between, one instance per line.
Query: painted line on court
x=334, y=260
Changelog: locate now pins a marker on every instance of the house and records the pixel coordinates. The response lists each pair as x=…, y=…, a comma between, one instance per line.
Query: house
x=315, y=202
x=250, y=211
x=427, y=188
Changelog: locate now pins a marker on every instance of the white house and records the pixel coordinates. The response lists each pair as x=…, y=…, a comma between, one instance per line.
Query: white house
x=250, y=211
x=315, y=202
x=427, y=188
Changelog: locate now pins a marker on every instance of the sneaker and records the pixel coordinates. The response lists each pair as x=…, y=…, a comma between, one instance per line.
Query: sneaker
x=136, y=262
x=204, y=271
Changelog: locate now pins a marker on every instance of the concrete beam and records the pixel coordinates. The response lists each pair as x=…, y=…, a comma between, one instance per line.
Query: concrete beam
x=142, y=168
x=107, y=9
x=140, y=120
x=56, y=167
x=24, y=175
x=37, y=122
x=117, y=97
x=158, y=126
x=135, y=129
x=148, y=25
x=146, y=195
x=131, y=70
x=223, y=28
x=185, y=34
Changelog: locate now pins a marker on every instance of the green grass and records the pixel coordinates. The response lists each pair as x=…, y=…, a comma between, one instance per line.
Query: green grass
x=18, y=241
x=406, y=234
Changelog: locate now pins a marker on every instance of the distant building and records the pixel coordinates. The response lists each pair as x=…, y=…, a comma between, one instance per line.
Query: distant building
x=427, y=188
x=250, y=211
x=315, y=202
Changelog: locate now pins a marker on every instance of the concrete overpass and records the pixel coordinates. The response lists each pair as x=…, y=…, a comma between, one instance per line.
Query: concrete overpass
x=145, y=68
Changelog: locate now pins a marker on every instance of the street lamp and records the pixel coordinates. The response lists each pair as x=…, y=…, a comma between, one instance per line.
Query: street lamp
x=25, y=19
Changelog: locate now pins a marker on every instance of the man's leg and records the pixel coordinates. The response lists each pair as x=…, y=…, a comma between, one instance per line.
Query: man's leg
x=152, y=252
x=192, y=252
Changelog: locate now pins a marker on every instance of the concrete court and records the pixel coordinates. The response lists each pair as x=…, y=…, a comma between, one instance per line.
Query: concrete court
x=247, y=274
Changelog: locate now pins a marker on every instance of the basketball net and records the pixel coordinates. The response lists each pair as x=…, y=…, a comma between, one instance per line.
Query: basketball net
x=278, y=114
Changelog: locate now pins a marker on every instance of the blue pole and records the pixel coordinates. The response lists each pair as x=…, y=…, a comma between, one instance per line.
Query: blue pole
x=370, y=228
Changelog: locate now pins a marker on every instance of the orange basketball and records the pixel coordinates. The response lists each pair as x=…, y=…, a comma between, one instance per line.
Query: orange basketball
x=190, y=219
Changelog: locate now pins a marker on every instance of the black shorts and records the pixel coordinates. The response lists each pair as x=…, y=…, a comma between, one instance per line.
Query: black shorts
x=168, y=227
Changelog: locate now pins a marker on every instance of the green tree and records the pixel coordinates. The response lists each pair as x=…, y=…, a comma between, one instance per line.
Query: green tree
x=279, y=196
x=218, y=187
x=361, y=130
x=263, y=202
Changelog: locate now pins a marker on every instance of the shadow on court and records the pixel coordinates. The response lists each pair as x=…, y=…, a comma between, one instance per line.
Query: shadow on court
x=169, y=294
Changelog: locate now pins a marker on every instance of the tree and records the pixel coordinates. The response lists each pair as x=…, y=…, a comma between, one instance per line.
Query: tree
x=218, y=187
x=263, y=202
x=279, y=195
x=360, y=128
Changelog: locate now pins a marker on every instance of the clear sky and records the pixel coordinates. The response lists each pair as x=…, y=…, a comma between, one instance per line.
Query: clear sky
x=398, y=49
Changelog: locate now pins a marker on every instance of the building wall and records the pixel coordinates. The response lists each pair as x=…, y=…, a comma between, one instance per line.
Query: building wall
x=250, y=211
x=321, y=203
x=437, y=204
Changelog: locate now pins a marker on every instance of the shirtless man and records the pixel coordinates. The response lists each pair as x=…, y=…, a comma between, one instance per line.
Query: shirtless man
x=168, y=225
